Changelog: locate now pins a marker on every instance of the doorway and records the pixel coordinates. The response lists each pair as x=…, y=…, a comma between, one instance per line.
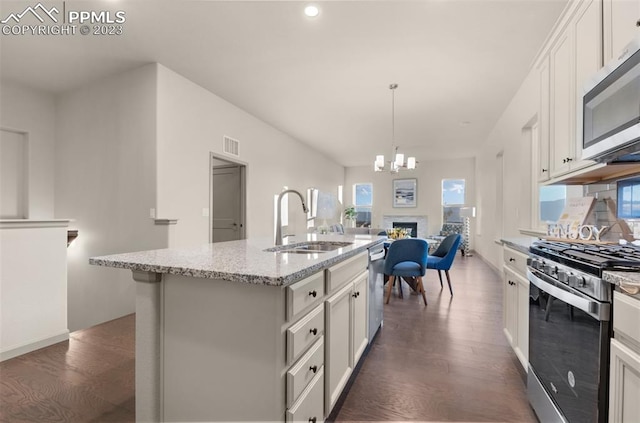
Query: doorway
x=227, y=200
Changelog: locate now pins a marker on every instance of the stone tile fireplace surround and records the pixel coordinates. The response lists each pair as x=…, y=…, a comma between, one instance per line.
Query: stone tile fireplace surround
x=423, y=228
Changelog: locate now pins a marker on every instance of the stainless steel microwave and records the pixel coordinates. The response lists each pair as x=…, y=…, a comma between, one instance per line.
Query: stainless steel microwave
x=611, y=110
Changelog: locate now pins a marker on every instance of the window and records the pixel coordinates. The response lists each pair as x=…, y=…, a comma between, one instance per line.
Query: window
x=629, y=199
x=453, y=191
x=551, y=202
x=363, y=201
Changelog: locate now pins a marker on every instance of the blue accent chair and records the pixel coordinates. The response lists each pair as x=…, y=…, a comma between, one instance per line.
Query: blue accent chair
x=406, y=258
x=442, y=258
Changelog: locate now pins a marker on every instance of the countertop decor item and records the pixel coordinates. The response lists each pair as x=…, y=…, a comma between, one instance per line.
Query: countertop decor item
x=397, y=159
x=397, y=233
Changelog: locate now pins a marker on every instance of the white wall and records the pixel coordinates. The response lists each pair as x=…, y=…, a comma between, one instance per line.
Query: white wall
x=27, y=110
x=105, y=180
x=429, y=174
x=509, y=136
x=191, y=123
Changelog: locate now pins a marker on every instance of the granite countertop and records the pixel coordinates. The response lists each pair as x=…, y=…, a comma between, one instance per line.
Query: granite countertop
x=242, y=261
x=521, y=243
x=627, y=279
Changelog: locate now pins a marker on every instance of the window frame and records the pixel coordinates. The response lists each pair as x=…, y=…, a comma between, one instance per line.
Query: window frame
x=359, y=208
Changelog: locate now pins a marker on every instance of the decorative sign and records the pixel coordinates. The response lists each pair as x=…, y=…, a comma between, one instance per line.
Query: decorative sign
x=571, y=224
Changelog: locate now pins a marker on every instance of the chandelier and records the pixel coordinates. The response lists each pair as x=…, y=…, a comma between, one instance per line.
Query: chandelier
x=397, y=159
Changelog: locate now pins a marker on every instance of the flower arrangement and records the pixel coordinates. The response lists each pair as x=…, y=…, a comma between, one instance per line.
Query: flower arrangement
x=398, y=233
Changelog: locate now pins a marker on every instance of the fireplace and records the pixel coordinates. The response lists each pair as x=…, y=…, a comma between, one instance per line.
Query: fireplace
x=411, y=226
x=390, y=221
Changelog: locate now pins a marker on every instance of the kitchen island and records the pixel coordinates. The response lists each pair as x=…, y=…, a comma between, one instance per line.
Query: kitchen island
x=243, y=331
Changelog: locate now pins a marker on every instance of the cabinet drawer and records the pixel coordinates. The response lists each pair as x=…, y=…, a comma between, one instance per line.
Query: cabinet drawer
x=299, y=376
x=626, y=315
x=343, y=272
x=309, y=406
x=516, y=261
x=304, y=333
x=304, y=294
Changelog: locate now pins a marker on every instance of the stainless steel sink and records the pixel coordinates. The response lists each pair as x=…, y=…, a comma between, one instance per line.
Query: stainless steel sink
x=311, y=247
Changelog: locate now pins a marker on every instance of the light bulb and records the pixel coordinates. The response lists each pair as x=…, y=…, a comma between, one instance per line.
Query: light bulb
x=411, y=163
x=399, y=159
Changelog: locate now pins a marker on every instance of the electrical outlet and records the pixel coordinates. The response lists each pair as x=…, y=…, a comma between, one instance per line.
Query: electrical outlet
x=205, y=212
x=152, y=213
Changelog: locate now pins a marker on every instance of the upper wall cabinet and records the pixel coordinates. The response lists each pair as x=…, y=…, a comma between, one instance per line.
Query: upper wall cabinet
x=620, y=18
x=574, y=55
x=543, y=123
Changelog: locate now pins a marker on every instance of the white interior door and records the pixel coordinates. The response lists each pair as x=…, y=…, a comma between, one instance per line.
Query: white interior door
x=13, y=162
x=227, y=203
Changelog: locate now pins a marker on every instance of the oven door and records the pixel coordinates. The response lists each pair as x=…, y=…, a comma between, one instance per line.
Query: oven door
x=568, y=352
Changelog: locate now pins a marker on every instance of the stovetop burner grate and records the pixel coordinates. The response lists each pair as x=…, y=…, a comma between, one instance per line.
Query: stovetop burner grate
x=588, y=257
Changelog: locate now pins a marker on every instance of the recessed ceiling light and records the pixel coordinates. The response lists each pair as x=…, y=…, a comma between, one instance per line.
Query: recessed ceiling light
x=311, y=11
x=465, y=123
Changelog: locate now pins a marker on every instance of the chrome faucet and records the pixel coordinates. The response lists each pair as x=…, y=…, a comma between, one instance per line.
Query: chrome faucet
x=279, y=213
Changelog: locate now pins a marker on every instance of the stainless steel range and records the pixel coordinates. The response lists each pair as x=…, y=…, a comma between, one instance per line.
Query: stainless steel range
x=570, y=327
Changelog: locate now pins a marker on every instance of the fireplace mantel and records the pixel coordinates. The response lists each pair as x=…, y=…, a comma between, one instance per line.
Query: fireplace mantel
x=421, y=220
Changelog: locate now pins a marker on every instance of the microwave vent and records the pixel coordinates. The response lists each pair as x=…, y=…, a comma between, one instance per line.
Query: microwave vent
x=231, y=146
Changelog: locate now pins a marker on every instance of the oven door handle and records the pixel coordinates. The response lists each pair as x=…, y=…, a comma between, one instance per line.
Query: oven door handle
x=600, y=311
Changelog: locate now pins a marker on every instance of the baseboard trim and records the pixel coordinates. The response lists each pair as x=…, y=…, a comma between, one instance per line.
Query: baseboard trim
x=15, y=351
x=488, y=263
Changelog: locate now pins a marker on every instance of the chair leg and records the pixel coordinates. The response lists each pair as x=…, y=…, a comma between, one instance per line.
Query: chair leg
x=421, y=289
x=440, y=276
x=400, y=294
x=449, y=281
x=389, y=287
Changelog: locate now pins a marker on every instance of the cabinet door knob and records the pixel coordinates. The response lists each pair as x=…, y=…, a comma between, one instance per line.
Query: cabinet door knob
x=564, y=160
x=569, y=159
x=545, y=170
x=313, y=368
x=313, y=331
x=356, y=294
x=512, y=259
x=312, y=419
x=313, y=293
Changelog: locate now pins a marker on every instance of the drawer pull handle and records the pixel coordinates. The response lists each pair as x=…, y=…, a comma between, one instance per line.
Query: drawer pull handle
x=313, y=293
x=512, y=259
x=313, y=331
x=312, y=420
x=313, y=368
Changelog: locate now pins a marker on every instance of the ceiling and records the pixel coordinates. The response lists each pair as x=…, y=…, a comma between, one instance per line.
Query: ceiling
x=324, y=81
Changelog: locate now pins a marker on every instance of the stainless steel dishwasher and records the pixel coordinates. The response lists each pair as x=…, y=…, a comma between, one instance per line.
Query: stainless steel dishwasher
x=376, y=288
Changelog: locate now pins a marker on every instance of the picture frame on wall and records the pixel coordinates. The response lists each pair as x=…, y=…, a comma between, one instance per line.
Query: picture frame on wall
x=405, y=192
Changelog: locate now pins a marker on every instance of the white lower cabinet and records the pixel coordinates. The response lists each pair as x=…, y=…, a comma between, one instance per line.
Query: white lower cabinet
x=624, y=404
x=624, y=382
x=516, y=304
x=346, y=335
x=309, y=407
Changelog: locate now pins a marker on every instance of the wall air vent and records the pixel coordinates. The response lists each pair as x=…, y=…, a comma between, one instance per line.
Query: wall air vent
x=231, y=146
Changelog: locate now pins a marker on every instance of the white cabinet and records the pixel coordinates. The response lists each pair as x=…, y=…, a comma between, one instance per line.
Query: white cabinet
x=338, y=350
x=624, y=406
x=620, y=18
x=359, y=300
x=624, y=383
x=574, y=55
x=542, y=163
x=516, y=303
x=587, y=30
x=346, y=335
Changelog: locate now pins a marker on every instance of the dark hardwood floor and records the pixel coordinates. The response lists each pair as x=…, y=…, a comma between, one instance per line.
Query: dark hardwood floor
x=89, y=378
x=448, y=361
